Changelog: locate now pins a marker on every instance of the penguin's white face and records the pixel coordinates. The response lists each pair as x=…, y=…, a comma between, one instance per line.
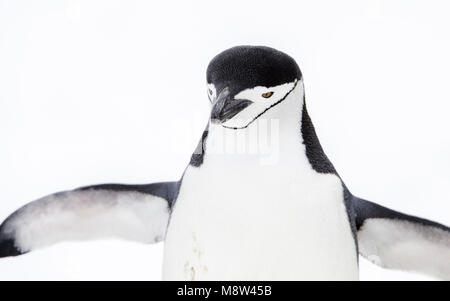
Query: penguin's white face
x=244, y=82
x=212, y=92
x=252, y=102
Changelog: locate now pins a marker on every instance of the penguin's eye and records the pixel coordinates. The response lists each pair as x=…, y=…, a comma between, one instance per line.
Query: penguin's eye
x=267, y=94
x=210, y=92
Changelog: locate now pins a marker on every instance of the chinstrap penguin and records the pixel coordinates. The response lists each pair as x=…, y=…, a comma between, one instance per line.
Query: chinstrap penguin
x=230, y=217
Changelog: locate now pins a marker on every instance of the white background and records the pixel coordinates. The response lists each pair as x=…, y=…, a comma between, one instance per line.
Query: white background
x=114, y=91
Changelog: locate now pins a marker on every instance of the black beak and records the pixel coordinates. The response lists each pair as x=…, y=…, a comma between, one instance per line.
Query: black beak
x=226, y=107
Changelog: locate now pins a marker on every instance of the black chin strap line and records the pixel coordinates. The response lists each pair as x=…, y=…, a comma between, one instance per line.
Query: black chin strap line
x=278, y=102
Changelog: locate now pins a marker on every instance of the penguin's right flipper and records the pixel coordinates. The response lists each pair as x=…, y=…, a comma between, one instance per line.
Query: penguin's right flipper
x=398, y=241
x=131, y=212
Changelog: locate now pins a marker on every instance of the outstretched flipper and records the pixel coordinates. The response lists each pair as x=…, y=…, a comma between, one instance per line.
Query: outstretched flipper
x=395, y=240
x=131, y=212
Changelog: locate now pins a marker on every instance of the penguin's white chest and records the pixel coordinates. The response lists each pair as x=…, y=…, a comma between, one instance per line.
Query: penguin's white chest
x=232, y=223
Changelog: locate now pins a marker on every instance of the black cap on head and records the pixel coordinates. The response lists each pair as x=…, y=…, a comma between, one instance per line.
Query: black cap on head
x=243, y=67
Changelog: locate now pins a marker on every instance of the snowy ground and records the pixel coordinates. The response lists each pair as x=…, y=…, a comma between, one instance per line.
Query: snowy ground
x=113, y=91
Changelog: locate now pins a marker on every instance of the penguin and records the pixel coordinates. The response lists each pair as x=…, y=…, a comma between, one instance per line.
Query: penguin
x=234, y=216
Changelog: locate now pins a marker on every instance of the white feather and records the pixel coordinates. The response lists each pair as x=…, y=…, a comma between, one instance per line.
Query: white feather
x=238, y=220
x=407, y=246
x=88, y=214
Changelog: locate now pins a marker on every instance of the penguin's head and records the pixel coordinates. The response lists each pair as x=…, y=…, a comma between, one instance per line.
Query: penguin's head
x=244, y=82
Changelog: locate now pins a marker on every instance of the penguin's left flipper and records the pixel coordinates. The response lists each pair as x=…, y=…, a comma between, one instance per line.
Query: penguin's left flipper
x=395, y=240
x=131, y=212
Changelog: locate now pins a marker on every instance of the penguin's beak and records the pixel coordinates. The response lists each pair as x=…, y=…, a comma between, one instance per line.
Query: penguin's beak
x=226, y=107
